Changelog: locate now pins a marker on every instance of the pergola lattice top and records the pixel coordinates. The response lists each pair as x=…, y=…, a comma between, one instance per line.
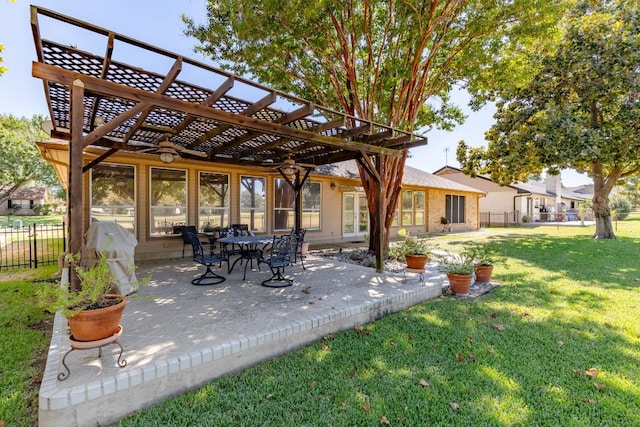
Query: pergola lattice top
x=128, y=108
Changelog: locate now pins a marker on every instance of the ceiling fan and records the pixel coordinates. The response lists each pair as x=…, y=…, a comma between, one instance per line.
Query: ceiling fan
x=289, y=166
x=168, y=150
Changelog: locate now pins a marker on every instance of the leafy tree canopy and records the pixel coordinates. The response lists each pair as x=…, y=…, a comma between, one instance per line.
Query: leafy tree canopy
x=393, y=62
x=581, y=110
x=388, y=61
x=20, y=161
x=2, y=69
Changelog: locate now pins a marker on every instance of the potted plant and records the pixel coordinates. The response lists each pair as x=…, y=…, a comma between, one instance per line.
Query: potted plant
x=92, y=311
x=446, y=224
x=485, y=257
x=413, y=250
x=459, y=269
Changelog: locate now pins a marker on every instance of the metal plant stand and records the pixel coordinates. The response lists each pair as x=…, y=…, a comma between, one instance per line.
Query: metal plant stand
x=419, y=271
x=89, y=345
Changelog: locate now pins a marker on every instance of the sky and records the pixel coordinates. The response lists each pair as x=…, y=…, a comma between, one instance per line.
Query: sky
x=158, y=22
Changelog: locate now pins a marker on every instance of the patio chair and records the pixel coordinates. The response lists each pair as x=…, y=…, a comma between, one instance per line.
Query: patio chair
x=242, y=229
x=184, y=231
x=230, y=249
x=208, y=259
x=298, y=235
x=282, y=255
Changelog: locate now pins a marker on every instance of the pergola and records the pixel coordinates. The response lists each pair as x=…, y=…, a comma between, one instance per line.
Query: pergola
x=96, y=101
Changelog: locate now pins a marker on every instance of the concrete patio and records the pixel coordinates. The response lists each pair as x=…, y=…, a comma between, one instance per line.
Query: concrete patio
x=177, y=336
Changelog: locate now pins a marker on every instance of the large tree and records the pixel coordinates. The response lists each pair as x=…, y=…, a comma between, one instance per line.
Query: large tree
x=581, y=111
x=20, y=161
x=391, y=61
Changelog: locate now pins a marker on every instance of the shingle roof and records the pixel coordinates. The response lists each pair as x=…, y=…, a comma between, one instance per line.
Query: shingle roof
x=28, y=193
x=412, y=176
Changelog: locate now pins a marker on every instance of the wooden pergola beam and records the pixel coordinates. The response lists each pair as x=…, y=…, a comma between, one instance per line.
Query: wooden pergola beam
x=209, y=101
x=171, y=76
x=107, y=88
x=106, y=63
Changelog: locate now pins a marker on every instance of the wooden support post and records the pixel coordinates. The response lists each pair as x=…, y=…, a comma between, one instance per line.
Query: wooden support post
x=379, y=243
x=74, y=196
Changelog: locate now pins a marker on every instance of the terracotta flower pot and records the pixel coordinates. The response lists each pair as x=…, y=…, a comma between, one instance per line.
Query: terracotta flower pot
x=94, y=325
x=460, y=283
x=416, y=262
x=483, y=273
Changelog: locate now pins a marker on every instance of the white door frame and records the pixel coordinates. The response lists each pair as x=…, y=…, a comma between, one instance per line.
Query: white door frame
x=355, y=223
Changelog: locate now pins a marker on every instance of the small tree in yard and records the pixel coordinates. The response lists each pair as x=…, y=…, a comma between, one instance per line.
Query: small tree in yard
x=581, y=111
x=393, y=62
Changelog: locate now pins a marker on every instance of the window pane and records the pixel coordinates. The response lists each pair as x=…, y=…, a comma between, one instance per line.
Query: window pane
x=113, y=194
x=407, y=207
x=284, y=205
x=419, y=199
x=252, y=202
x=311, y=205
x=168, y=201
x=214, y=200
x=455, y=208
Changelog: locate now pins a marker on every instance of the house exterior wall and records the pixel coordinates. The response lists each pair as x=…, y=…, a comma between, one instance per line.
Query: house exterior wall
x=499, y=199
x=159, y=247
x=331, y=220
x=437, y=209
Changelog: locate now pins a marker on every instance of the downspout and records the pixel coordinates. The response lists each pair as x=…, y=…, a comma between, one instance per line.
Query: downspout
x=514, y=203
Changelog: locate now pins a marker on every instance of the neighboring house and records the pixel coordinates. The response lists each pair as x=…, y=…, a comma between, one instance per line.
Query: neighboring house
x=152, y=198
x=521, y=202
x=29, y=199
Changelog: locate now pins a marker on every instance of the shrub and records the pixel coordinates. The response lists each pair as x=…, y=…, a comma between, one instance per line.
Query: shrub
x=621, y=206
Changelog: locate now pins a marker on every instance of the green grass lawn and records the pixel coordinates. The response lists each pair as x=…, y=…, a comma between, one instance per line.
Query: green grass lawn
x=557, y=344
x=25, y=332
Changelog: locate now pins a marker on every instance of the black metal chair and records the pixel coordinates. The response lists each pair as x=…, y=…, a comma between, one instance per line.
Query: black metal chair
x=299, y=236
x=230, y=249
x=208, y=259
x=242, y=229
x=282, y=255
x=184, y=231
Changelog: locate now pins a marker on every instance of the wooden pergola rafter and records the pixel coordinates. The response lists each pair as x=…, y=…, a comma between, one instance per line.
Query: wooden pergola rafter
x=97, y=101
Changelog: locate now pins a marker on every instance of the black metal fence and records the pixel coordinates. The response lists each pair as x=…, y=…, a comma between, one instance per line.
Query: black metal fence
x=499, y=219
x=32, y=245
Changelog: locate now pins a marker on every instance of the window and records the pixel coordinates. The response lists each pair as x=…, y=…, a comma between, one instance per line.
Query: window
x=213, y=200
x=168, y=207
x=407, y=207
x=252, y=203
x=454, y=209
x=419, y=206
x=113, y=195
x=284, y=205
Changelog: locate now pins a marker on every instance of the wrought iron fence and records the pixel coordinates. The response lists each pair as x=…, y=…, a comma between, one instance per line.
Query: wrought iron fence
x=499, y=219
x=32, y=245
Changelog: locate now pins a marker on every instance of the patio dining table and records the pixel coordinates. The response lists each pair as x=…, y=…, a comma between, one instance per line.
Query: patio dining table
x=249, y=249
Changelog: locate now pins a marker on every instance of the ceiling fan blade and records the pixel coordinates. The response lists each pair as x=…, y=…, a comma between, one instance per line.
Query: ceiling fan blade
x=192, y=152
x=147, y=150
x=306, y=165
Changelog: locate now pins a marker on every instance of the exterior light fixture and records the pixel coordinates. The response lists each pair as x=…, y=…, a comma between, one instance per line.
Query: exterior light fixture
x=287, y=167
x=166, y=154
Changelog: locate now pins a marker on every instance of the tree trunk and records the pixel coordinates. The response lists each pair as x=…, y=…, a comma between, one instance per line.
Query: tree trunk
x=602, y=187
x=393, y=169
x=602, y=213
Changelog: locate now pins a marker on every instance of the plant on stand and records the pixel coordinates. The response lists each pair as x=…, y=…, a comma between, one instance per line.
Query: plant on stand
x=414, y=251
x=92, y=311
x=459, y=269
